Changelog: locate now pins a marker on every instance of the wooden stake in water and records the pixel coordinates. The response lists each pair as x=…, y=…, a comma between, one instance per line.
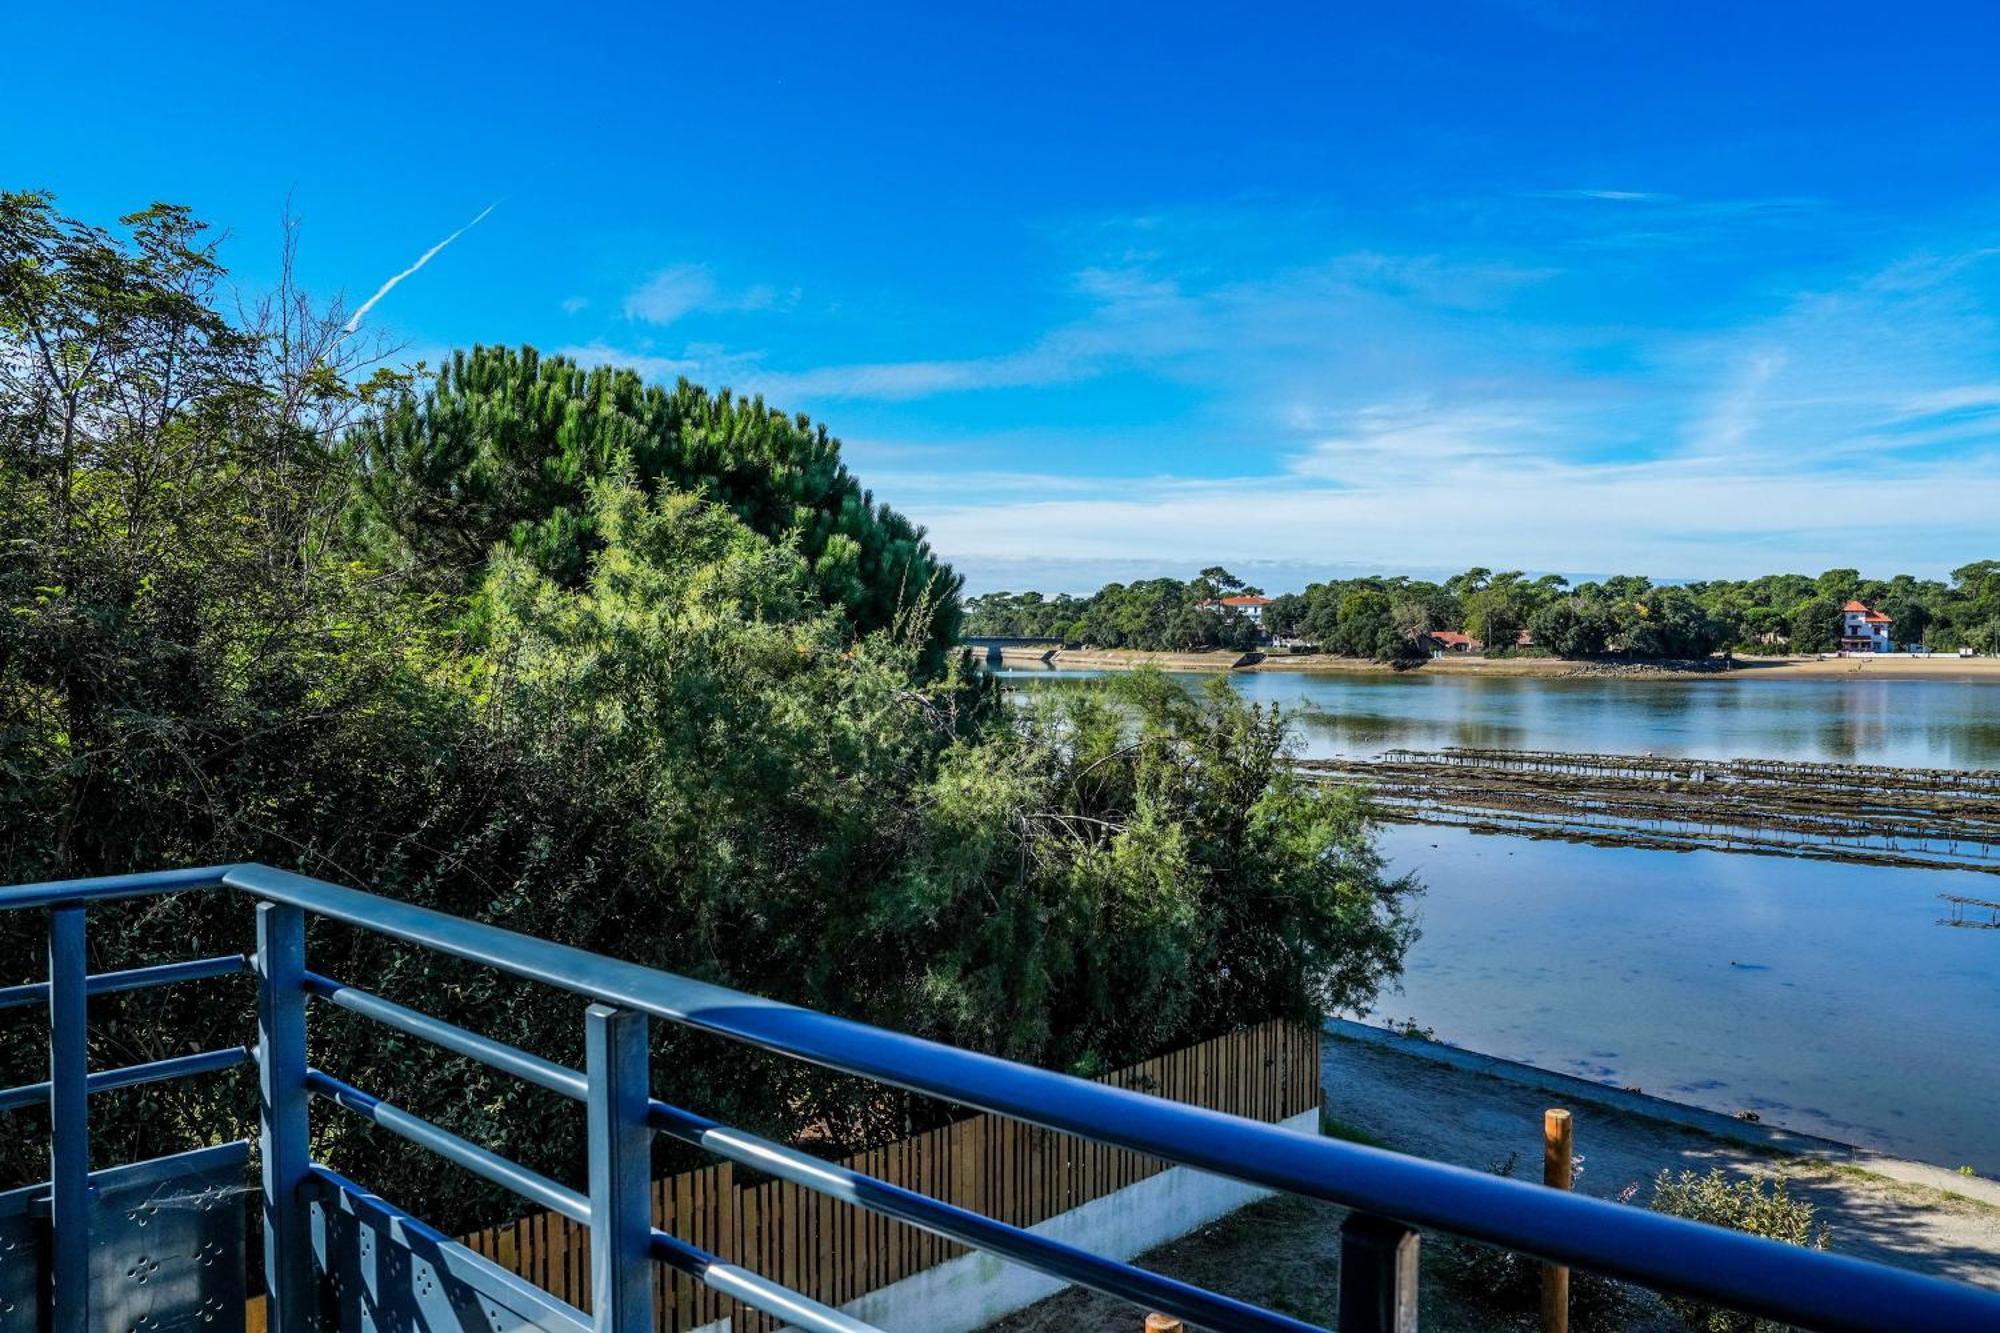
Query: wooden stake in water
x=1163, y=1323
x=1556, y=1157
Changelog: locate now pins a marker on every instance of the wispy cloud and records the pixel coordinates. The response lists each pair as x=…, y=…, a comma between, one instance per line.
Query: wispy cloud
x=682, y=289
x=1509, y=398
x=1683, y=518
x=422, y=259
x=1135, y=317
x=1612, y=196
x=705, y=363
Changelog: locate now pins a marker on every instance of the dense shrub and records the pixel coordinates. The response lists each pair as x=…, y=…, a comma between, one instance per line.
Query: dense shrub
x=1753, y=1204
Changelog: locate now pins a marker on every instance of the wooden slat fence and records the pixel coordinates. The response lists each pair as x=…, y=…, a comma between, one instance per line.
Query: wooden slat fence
x=835, y=1252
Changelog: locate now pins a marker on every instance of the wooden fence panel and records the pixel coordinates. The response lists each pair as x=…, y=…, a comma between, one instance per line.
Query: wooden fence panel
x=836, y=1252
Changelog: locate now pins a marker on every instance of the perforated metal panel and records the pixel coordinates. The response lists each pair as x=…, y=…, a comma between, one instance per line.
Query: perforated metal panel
x=23, y=1236
x=166, y=1244
x=389, y=1273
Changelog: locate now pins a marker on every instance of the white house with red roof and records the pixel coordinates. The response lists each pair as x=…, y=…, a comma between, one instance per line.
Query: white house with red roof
x=1252, y=607
x=1863, y=629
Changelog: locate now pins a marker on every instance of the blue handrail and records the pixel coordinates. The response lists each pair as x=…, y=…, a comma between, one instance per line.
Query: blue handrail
x=136, y=978
x=1803, y=1287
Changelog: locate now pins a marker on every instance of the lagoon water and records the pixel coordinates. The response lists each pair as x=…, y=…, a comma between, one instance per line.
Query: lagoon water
x=1923, y=724
x=1824, y=997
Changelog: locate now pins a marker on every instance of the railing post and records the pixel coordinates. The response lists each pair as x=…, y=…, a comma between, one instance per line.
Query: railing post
x=283, y=1126
x=621, y=1170
x=1378, y=1275
x=69, y=1123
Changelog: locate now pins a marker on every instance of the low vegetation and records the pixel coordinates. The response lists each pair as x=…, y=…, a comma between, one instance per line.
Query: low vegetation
x=1753, y=1204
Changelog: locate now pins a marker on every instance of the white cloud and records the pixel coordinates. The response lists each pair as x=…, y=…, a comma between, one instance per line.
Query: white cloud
x=685, y=288
x=1680, y=519
x=575, y=303
x=1137, y=317
x=1429, y=410
x=1957, y=398
x=1733, y=422
x=704, y=363
x=1612, y=196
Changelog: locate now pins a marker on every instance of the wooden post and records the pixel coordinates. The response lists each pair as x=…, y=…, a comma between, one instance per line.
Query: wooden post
x=1163, y=1323
x=1557, y=1141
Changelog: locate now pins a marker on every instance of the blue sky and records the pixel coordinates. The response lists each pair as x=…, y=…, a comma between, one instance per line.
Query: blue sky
x=1692, y=289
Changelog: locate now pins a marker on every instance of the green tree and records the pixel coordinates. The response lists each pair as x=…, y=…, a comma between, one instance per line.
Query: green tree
x=1816, y=625
x=502, y=446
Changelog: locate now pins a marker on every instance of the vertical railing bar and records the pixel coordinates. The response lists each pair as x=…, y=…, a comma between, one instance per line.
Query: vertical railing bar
x=1378, y=1275
x=621, y=1175
x=283, y=1124
x=69, y=1123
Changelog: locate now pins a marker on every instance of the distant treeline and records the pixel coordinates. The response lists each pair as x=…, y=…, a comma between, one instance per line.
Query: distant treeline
x=1388, y=618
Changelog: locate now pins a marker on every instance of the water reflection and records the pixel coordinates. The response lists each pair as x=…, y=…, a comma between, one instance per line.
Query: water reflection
x=1924, y=724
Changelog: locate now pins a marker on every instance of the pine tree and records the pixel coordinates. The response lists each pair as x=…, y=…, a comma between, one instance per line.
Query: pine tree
x=502, y=445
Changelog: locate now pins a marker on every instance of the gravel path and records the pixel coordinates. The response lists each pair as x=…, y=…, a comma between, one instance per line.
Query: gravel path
x=1283, y=1253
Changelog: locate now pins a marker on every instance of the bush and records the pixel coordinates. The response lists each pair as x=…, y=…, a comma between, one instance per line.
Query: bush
x=1753, y=1204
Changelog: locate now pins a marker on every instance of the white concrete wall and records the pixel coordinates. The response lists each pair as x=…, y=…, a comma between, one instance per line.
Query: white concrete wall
x=975, y=1289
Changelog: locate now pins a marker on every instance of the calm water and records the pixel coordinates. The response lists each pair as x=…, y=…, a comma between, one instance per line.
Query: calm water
x=1926, y=724
x=1824, y=997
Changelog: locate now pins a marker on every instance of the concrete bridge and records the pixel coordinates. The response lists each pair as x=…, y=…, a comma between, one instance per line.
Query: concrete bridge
x=998, y=648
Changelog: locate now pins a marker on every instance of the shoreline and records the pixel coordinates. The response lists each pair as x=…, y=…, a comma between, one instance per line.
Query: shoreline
x=1759, y=1134
x=1983, y=670
x=1443, y=1104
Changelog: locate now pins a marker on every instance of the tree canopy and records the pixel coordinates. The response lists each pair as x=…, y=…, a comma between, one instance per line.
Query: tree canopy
x=1385, y=617
x=1161, y=614
x=502, y=445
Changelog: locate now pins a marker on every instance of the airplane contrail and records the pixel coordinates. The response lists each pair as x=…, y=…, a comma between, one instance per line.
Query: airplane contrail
x=422, y=260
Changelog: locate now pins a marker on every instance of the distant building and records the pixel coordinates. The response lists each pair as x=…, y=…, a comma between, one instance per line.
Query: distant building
x=1451, y=641
x=1251, y=607
x=1863, y=629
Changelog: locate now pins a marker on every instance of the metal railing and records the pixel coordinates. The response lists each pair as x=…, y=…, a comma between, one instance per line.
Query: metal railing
x=1390, y=1195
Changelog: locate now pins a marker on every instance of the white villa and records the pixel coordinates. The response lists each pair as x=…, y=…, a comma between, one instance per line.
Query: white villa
x=1863, y=629
x=1252, y=607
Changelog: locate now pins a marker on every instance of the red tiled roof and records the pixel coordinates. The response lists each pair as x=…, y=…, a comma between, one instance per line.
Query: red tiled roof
x=1246, y=601
x=1451, y=638
x=1868, y=613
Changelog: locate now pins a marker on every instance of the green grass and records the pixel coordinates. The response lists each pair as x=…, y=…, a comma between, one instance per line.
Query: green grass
x=1332, y=1127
